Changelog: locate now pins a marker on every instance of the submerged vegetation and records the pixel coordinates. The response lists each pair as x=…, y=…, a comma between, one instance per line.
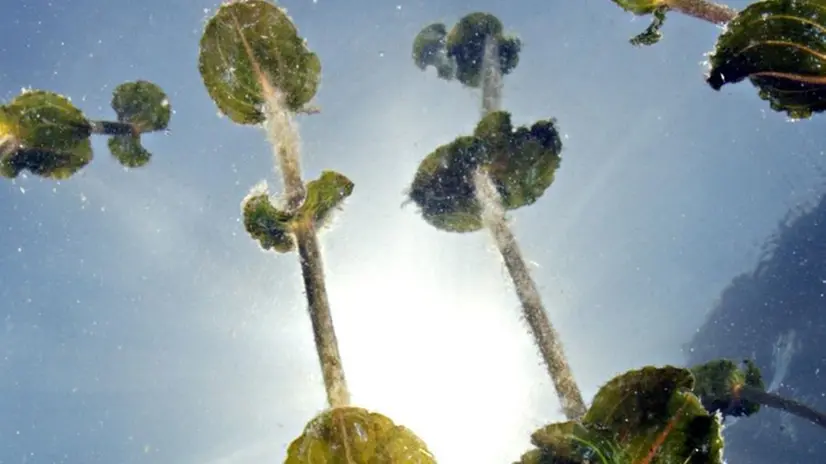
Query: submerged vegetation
x=260, y=72
x=44, y=133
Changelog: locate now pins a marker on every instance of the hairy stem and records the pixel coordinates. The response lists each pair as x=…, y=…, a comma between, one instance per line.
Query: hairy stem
x=312, y=268
x=285, y=141
x=493, y=216
x=545, y=336
x=113, y=128
x=491, y=78
x=774, y=401
x=703, y=9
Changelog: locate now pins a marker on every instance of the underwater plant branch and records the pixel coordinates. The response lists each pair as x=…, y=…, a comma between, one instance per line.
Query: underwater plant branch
x=324, y=333
x=280, y=130
x=113, y=128
x=491, y=77
x=284, y=138
x=771, y=400
x=544, y=334
x=706, y=10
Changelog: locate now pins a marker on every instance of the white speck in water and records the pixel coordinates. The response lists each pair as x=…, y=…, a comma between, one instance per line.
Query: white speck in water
x=22, y=190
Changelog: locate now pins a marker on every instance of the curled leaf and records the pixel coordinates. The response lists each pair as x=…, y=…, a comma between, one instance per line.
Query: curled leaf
x=719, y=381
x=780, y=46
x=350, y=435
x=267, y=224
x=143, y=105
x=44, y=133
x=652, y=33
x=465, y=45
x=643, y=416
x=274, y=228
x=521, y=162
x=247, y=46
x=127, y=149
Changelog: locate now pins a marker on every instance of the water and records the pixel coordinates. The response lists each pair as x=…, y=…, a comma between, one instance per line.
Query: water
x=142, y=324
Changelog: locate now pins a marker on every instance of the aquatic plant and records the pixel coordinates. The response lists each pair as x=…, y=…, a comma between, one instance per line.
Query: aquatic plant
x=44, y=133
x=778, y=45
x=259, y=71
x=471, y=183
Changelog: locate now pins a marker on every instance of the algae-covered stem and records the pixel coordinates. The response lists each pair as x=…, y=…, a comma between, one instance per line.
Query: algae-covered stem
x=112, y=128
x=703, y=9
x=756, y=395
x=493, y=216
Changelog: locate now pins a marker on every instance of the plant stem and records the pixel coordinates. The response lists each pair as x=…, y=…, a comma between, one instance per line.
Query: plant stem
x=546, y=338
x=113, y=128
x=491, y=78
x=312, y=269
x=493, y=216
x=706, y=10
x=756, y=395
x=285, y=141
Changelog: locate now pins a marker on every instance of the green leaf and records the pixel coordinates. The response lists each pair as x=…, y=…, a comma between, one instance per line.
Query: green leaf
x=521, y=162
x=646, y=416
x=267, y=224
x=127, y=149
x=652, y=33
x=142, y=104
x=779, y=46
x=248, y=46
x=324, y=196
x=466, y=47
x=43, y=132
x=274, y=228
x=430, y=49
x=350, y=435
x=718, y=383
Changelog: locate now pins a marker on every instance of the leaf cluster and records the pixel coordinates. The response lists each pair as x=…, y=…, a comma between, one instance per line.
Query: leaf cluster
x=44, y=133
x=520, y=161
x=458, y=54
x=645, y=416
x=274, y=227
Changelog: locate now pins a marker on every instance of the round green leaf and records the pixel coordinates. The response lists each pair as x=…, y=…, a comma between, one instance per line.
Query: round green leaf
x=42, y=132
x=46, y=120
x=350, y=435
x=780, y=46
x=521, y=162
x=127, y=149
x=142, y=104
x=247, y=46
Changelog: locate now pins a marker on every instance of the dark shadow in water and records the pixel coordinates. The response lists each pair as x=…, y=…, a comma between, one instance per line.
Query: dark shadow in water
x=779, y=307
